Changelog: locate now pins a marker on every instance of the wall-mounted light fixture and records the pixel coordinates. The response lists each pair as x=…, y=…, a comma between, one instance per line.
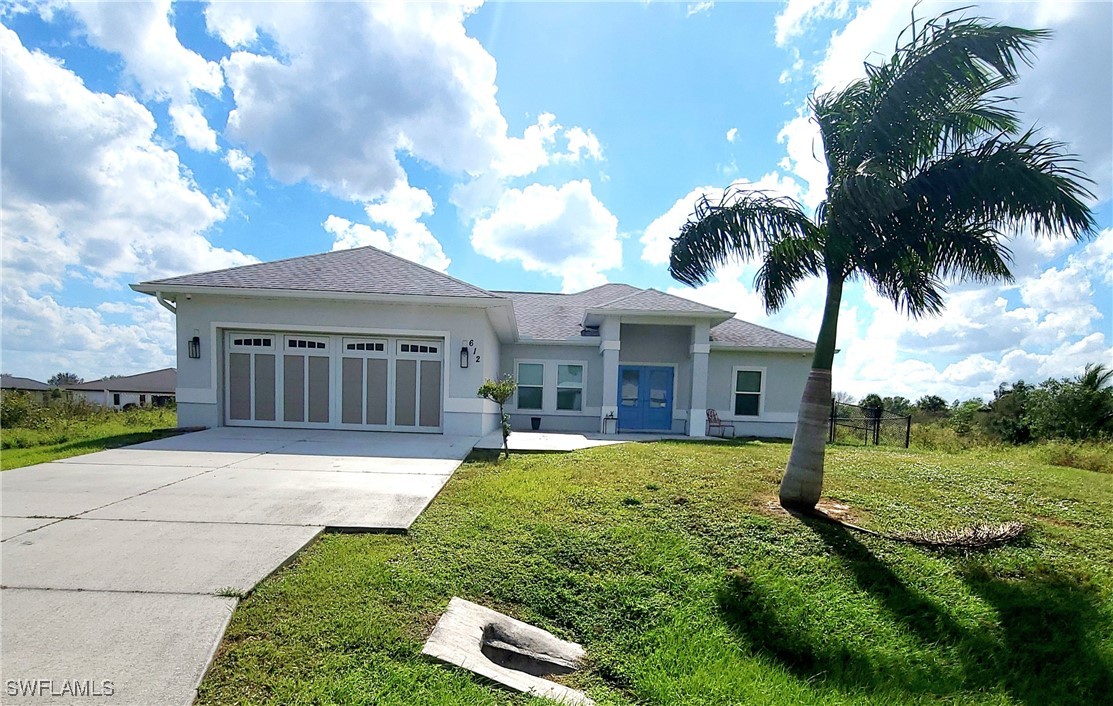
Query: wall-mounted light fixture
x=194, y=345
x=464, y=355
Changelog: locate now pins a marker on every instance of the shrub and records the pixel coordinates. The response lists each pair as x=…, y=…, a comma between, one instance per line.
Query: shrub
x=1087, y=456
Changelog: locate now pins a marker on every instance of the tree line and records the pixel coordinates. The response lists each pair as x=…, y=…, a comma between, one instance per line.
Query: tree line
x=1076, y=408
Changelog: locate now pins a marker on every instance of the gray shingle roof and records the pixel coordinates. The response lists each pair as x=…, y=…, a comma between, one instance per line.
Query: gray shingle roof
x=12, y=382
x=365, y=270
x=163, y=381
x=654, y=300
x=557, y=317
x=743, y=334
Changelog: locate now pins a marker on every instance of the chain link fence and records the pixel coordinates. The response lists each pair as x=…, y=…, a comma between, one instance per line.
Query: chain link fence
x=854, y=424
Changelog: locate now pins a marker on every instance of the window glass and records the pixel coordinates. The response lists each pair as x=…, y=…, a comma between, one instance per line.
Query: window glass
x=748, y=381
x=529, y=398
x=570, y=399
x=571, y=375
x=531, y=374
x=746, y=405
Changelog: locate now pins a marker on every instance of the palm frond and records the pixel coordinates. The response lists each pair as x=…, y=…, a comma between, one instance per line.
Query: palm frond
x=744, y=224
x=786, y=263
x=1007, y=185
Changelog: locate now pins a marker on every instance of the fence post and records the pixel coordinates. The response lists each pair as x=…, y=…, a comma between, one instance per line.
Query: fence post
x=877, y=429
x=831, y=423
x=907, y=430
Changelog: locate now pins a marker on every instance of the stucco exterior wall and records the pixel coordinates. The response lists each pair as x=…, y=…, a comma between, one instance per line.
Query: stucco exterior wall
x=784, y=377
x=200, y=386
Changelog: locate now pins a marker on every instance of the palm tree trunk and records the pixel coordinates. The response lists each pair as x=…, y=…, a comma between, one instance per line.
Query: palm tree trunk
x=803, y=480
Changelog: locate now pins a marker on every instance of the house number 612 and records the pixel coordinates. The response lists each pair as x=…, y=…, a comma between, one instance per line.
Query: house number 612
x=474, y=350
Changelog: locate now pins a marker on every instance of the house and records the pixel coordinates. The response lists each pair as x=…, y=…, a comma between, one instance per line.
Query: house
x=39, y=391
x=154, y=389
x=362, y=339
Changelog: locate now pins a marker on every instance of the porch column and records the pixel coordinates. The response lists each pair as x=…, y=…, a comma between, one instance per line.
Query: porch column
x=701, y=348
x=609, y=346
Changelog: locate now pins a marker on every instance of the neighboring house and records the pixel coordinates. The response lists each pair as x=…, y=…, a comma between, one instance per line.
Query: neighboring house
x=362, y=339
x=39, y=391
x=154, y=389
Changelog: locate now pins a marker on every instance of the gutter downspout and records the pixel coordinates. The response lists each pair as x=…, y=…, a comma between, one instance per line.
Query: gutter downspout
x=167, y=305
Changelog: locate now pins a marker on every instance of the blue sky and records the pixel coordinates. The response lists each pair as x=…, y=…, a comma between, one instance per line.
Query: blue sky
x=514, y=145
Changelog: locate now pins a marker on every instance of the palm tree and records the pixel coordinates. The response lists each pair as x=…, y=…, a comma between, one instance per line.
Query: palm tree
x=929, y=174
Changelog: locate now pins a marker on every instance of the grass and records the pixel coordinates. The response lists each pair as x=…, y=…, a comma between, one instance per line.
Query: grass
x=62, y=438
x=669, y=564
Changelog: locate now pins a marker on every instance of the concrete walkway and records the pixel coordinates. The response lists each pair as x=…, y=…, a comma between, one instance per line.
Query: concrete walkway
x=120, y=569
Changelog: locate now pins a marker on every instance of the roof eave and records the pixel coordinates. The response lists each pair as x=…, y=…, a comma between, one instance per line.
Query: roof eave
x=593, y=316
x=727, y=346
x=172, y=291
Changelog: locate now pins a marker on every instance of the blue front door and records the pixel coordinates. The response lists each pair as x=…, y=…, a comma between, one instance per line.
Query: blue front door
x=644, y=398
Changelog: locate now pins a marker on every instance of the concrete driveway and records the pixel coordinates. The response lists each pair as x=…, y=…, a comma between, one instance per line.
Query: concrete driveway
x=120, y=569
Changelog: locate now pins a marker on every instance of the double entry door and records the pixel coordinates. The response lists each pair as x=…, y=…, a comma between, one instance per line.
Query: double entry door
x=338, y=382
x=644, y=398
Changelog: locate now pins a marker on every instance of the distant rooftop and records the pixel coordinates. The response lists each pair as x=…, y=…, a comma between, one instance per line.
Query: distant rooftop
x=163, y=381
x=12, y=382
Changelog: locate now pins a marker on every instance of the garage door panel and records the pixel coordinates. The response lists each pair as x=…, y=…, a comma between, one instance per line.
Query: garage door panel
x=318, y=389
x=293, y=388
x=239, y=386
x=405, y=389
x=351, y=391
x=376, y=391
x=264, y=388
x=430, y=393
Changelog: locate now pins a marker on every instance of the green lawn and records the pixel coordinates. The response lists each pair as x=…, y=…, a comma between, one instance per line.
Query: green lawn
x=72, y=437
x=667, y=562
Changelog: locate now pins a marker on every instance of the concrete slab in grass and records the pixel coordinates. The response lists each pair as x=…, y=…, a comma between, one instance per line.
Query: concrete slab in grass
x=462, y=638
x=132, y=456
x=64, y=489
x=168, y=557
x=14, y=526
x=350, y=464
x=153, y=648
x=358, y=501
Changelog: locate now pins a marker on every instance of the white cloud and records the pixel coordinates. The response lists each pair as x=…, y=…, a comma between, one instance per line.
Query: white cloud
x=143, y=35
x=240, y=163
x=344, y=88
x=732, y=134
x=88, y=193
x=401, y=210
x=657, y=239
x=798, y=15
x=87, y=186
x=520, y=156
x=695, y=8
x=43, y=337
x=565, y=231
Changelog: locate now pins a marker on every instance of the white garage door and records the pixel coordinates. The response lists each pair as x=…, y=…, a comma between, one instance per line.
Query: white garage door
x=333, y=381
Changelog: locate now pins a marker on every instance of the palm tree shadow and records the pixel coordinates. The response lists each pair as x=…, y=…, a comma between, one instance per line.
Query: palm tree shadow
x=1044, y=649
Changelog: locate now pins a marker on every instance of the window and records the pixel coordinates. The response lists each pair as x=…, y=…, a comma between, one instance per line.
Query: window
x=304, y=343
x=747, y=392
x=254, y=342
x=365, y=347
x=142, y=400
x=418, y=348
x=531, y=385
x=570, y=387
x=116, y=399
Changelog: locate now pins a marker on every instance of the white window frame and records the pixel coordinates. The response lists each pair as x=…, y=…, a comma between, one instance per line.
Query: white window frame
x=517, y=376
x=549, y=387
x=581, y=387
x=734, y=391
